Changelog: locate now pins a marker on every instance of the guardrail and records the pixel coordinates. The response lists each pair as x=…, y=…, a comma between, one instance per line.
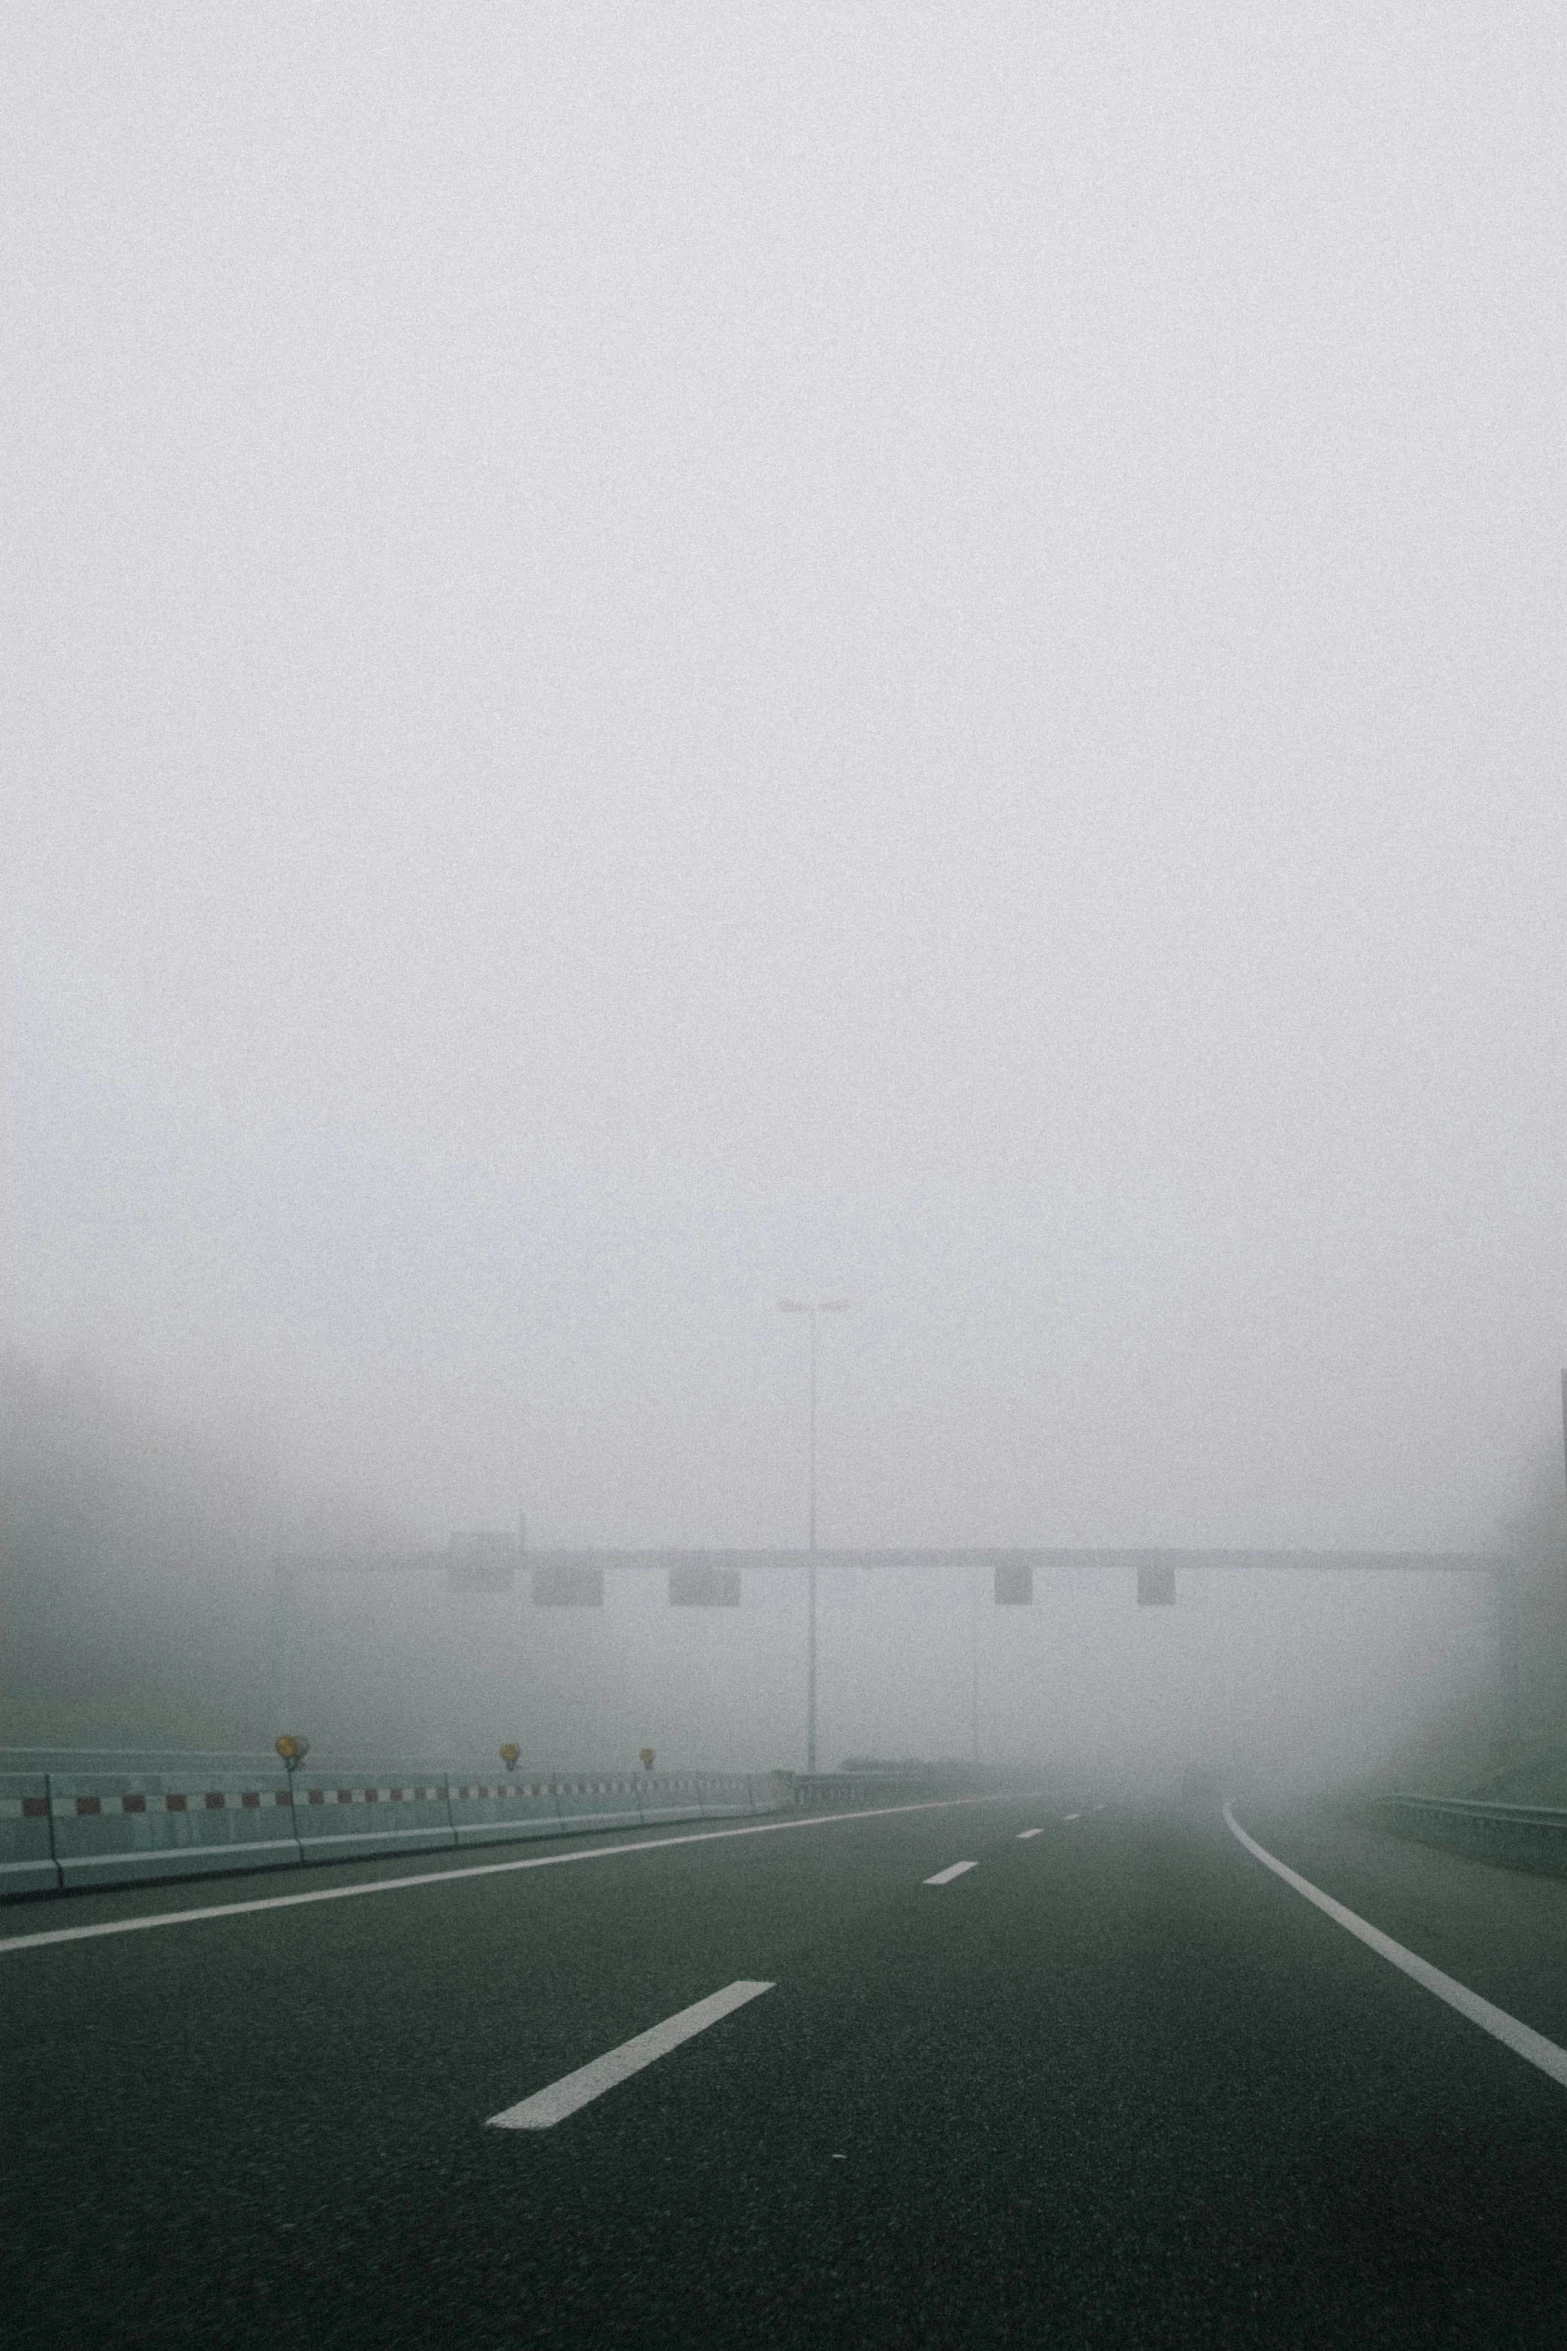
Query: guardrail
x=160, y=1818
x=27, y=1863
x=808, y=1790
x=71, y=1828
x=1530, y=1836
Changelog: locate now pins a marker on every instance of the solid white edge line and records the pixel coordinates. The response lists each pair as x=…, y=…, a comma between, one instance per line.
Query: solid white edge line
x=944, y=1877
x=547, y=2107
x=485, y=1869
x=1024, y=1834
x=1522, y=2039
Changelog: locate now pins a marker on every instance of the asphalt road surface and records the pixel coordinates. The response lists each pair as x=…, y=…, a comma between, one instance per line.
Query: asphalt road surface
x=1112, y=2083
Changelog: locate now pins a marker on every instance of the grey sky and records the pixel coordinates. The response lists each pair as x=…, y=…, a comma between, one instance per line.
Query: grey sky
x=665, y=654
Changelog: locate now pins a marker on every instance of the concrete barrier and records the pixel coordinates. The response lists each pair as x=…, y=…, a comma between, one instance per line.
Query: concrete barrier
x=27, y=1862
x=169, y=1817
x=853, y=1791
x=111, y=1828
x=842, y=1791
x=346, y=1816
x=723, y=1796
x=672, y=1796
x=594, y=1801
x=485, y=1812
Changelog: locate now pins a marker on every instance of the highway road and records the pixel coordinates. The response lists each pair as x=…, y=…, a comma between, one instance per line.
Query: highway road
x=1035, y=2071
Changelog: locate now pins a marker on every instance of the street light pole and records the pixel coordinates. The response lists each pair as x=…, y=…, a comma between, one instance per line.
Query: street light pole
x=278, y=1692
x=973, y=1662
x=813, y=1452
x=813, y=1309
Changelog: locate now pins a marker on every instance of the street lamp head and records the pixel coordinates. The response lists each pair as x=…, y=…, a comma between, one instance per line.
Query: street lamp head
x=792, y=1306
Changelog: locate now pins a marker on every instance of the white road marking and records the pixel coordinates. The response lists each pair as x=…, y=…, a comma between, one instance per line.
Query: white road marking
x=547, y=2107
x=1071, y=1816
x=944, y=1877
x=1520, y=2038
x=484, y=1869
x=1024, y=1834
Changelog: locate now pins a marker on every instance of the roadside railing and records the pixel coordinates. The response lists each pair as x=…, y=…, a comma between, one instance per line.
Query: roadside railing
x=1532, y=1836
x=122, y=1819
x=68, y=1827
x=827, y=1790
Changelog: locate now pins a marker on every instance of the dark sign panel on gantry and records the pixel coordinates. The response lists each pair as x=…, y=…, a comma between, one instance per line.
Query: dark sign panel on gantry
x=564, y=1585
x=704, y=1584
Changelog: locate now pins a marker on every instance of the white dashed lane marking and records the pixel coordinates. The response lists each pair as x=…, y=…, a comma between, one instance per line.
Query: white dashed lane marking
x=944, y=1877
x=547, y=2107
x=484, y=1869
x=1024, y=1834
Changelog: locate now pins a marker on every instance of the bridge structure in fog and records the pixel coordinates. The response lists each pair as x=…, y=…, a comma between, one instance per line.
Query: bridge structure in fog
x=713, y=1578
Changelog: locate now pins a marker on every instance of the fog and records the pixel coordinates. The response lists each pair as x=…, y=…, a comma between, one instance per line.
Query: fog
x=664, y=658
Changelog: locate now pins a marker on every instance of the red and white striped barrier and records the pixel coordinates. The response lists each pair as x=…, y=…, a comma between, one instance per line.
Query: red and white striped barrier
x=338, y=1817
x=484, y=1812
x=602, y=1803
x=182, y=1800
x=724, y=1795
x=27, y=1863
x=84, y=1828
x=111, y=1827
